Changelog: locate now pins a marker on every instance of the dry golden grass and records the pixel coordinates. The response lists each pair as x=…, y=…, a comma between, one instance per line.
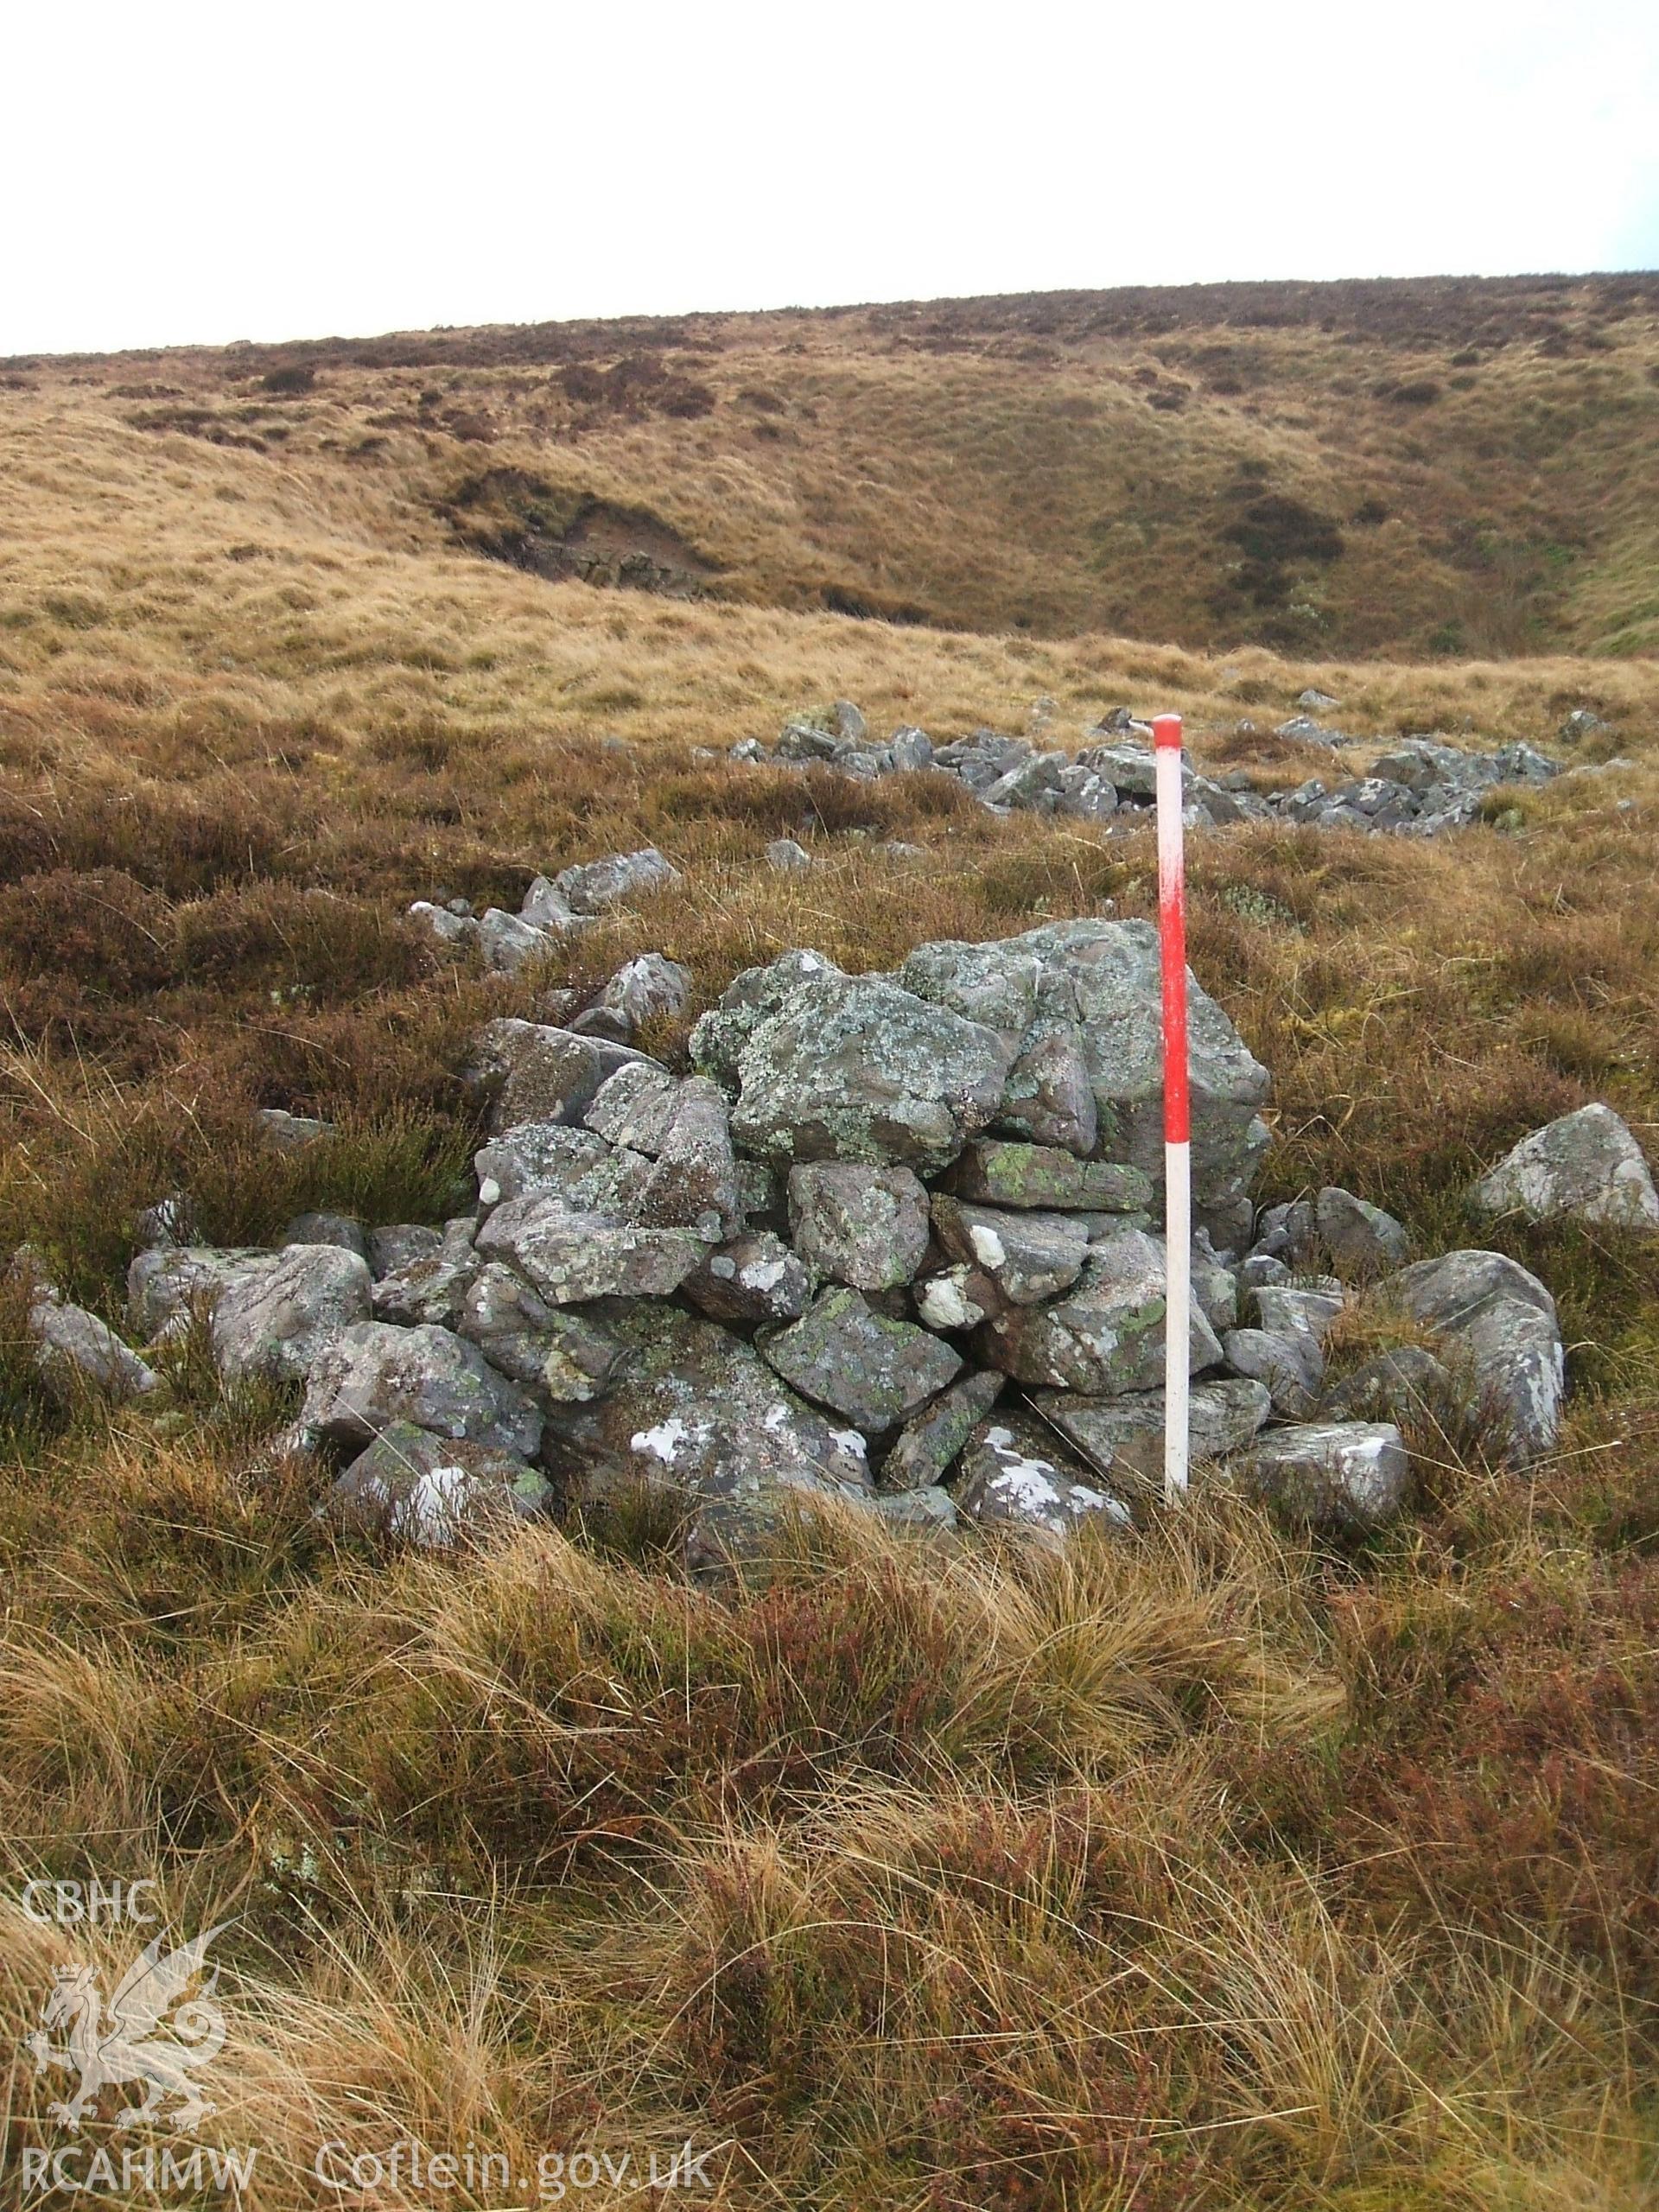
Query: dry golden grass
x=1208, y=1869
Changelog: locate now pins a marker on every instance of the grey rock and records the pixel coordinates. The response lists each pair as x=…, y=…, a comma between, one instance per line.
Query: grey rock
x=785, y=854
x=278, y=1323
x=1582, y=722
x=1260, y=1271
x=1360, y=1239
x=927, y=1511
x=341, y=1229
x=373, y=1375
x=693, y=1184
x=571, y=1258
x=849, y=722
x=547, y=1159
x=912, y=749
x=1123, y=1437
x=1291, y=1367
x=286, y=1132
x=751, y=998
x=959, y=1297
x=805, y=741
x=1015, y=1475
x=1049, y=1098
x=1215, y=1285
x=397, y=1247
x=647, y=987
x=508, y=942
x=168, y=1284
x=874, y=1371
x=414, y=1487
x=432, y=1288
x=755, y=1277
x=634, y=1108
x=695, y=1409
x=1315, y=703
x=748, y=749
x=1029, y=1257
x=546, y=907
x=75, y=1352
x=997, y=1172
x=1282, y=1309
x=595, y=884
x=558, y=1354
x=1106, y=1335
x=866, y=1226
x=1349, y=1476
x=1405, y=1385
x=927, y=1447
x=533, y=1071
x=447, y=927
x=1502, y=1321
x=603, y=1021
x=171, y=1220
x=1585, y=1166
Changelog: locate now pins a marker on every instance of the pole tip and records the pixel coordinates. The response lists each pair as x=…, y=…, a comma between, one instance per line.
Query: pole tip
x=1166, y=731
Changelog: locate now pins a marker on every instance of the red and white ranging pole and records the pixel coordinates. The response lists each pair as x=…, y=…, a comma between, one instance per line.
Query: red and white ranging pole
x=1177, y=1147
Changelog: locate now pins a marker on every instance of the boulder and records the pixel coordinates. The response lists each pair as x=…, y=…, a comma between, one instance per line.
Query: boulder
x=76, y=1353
x=696, y=1409
x=634, y=1108
x=1585, y=1166
x=912, y=749
x=341, y=1229
x=430, y=1491
x=594, y=885
x=448, y=928
x=927, y=1447
x=646, y=987
x=169, y=1284
x=508, y=942
x=373, y=1375
x=1106, y=1335
x=1014, y=1474
x=433, y=1288
x=1291, y=1366
x=862, y=1364
x=1282, y=1309
x=1501, y=1321
x=1124, y=1437
x=573, y=1257
x=549, y=1159
x=866, y=1226
x=276, y=1325
x=559, y=1355
x=851, y=1067
x=392, y=1249
x=754, y=1278
x=1408, y=1383
x=996, y=1173
x=532, y=1072
x=1348, y=1477
x=785, y=854
x=1360, y=1239
x=693, y=1183
x=545, y=907
x=1029, y=1257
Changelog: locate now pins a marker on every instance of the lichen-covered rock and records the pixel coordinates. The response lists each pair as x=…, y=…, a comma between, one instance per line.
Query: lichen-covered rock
x=851, y=1067
x=1585, y=1166
x=341, y=1229
x=927, y=1447
x=1502, y=1322
x=1351, y=1477
x=693, y=1182
x=1001, y=1172
x=544, y=906
x=508, y=942
x=1125, y=1436
x=572, y=1258
x=959, y=1297
x=648, y=986
x=1359, y=1238
x=1283, y=1308
x=696, y=1409
x=754, y=1278
x=1106, y=1335
x=1015, y=1474
x=866, y=1226
x=787, y=856
x=169, y=1284
x=1029, y=1257
x=535, y=1071
x=592, y=886
x=560, y=1355
x=1291, y=1366
x=875, y=1370
x=547, y=1159
x=373, y=1375
x=432, y=1288
x=76, y=1353
x=1408, y=1383
x=634, y=1108
x=928, y=1511
x=277, y=1324
x=399, y=1245
x=433, y=1491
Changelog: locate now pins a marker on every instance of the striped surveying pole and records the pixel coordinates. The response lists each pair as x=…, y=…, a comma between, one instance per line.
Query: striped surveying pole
x=1178, y=1149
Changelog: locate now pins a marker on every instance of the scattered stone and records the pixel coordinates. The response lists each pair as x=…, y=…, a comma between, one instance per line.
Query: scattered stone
x=1503, y=1321
x=168, y=1284
x=373, y=1375
x=1124, y=1437
x=1349, y=1476
x=1316, y=702
x=928, y=1445
x=1029, y=1257
x=558, y=1354
x=574, y=1257
x=341, y=1229
x=1360, y=1239
x=595, y=884
x=602, y=1021
x=509, y=943
x=874, y=1371
x=429, y=1490
x=912, y=749
x=785, y=854
x=647, y=987
x=286, y=1132
x=755, y=1277
x=1582, y=722
x=171, y=1220
x=277, y=1324
x=75, y=1352
x=866, y=1226
x=1291, y=1367
x=849, y=722
x=545, y=907
x=1585, y=1166
x=1014, y=1475
x=448, y=928
x=1106, y=1335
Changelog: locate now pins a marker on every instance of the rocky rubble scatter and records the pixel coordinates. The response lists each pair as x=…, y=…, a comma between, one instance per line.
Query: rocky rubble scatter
x=834, y=1259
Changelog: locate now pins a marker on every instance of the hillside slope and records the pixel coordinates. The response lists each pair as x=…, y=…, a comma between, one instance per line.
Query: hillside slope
x=1436, y=468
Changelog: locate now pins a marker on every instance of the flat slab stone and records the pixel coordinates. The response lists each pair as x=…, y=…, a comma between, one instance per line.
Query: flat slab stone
x=1106, y=1335
x=1015, y=1474
x=1029, y=1257
x=1346, y=1476
x=999, y=1172
x=874, y=1371
x=573, y=1257
x=1126, y=1435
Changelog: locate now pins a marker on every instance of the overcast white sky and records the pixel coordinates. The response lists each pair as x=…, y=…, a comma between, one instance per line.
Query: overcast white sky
x=208, y=169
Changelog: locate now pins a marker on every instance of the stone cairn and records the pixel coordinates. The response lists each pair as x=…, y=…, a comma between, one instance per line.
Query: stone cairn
x=893, y=1240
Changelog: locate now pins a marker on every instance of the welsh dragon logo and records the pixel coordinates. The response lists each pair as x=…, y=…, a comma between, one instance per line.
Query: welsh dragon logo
x=111, y=2046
